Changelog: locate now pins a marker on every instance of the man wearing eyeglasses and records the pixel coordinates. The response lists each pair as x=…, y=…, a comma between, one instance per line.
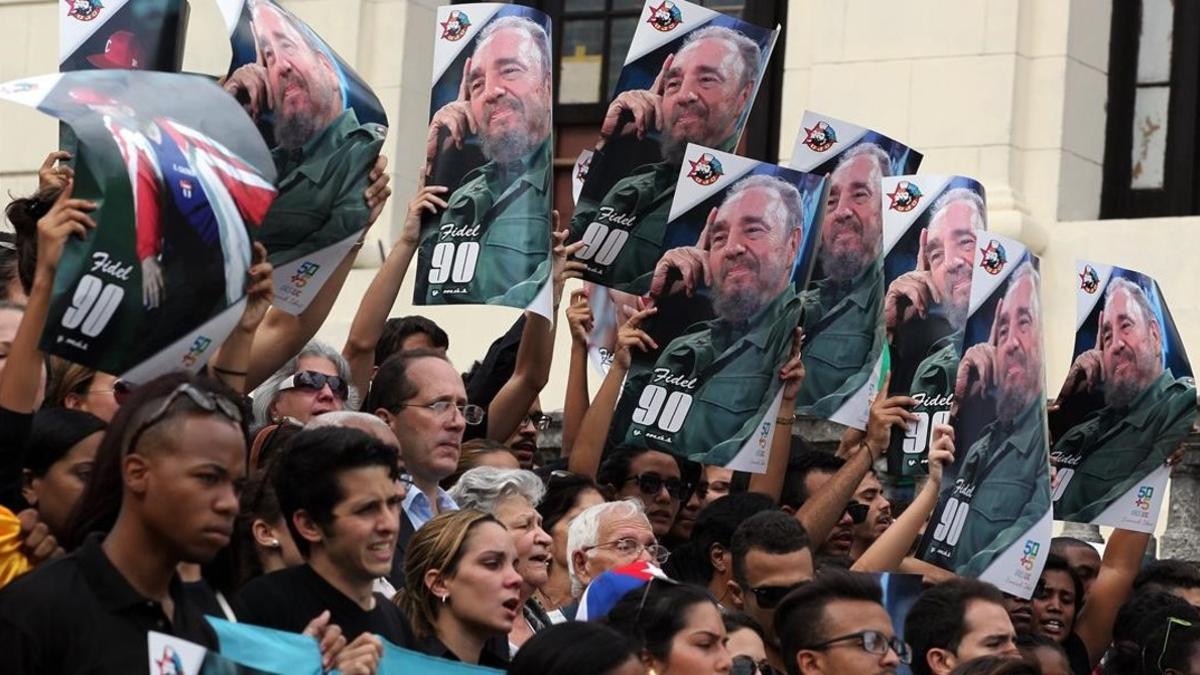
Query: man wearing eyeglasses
x=524, y=440
x=609, y=535
x=837, y=625
x=421, y=397
x=771, y=557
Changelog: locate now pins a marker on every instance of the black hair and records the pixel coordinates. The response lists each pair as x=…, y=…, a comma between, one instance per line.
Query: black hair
x=996, y=665
x=1136, y=619
x=937, y=619
x=573, y=648
x=800, y=464
x=9, y=263
x=100, y=503
x=1059, y=544
x=392, y=385
x=397, y=330
x=1167, y=575
x=1057, y=563
x=800, y=617
x=715, y=525
x=651, y=616
x=23, y=213
x=614, y=470
x=773, y=532
x=1027, y=643
x=258, y=501
x=562, y=493
x=735, y=621
x=1170, y=644
x=485, y=378
x=306, y=477
x=53, y=433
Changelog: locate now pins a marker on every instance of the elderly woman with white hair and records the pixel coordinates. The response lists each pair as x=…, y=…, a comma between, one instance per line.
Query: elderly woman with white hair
x=512, y=496
x=315, y=381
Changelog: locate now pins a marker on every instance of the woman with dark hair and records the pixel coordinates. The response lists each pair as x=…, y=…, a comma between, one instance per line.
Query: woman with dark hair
x=462, y=591
x=567, y=495
x=676, y=628
x=262, y=542
x=1055, y=606
x=481, y=452
x=1046, y=653
x=575, y=648
x=59, y=454
x=746, y=643
x=996, y=665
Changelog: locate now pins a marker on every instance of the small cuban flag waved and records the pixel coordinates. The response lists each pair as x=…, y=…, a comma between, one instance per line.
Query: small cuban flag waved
x=607, y=589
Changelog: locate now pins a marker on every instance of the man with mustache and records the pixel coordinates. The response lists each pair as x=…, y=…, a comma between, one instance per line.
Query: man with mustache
x=841, y=311
x=698, y=97
x=925, y=310
x=1147, y=411
x=1003, y=481
x=321, y=152
x=501, y=210
x=709, y=388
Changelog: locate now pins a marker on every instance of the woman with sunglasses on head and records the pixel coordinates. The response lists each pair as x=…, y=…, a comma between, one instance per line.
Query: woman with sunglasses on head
x=746, y=645
x=78, y=387
x=677, y=628
x=462, y=591
x=315, y=381
x=512, y=495
x=59, y=455
x=567, y=495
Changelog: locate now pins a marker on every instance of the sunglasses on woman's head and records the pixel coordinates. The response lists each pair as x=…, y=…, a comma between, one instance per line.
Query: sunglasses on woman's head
x=310, y=380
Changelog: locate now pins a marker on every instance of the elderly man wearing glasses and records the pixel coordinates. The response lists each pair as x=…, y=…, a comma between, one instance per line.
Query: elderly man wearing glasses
x=606, y=536
x=421, y=397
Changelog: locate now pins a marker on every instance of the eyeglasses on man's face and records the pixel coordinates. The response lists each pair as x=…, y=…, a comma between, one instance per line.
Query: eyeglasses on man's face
x=472, y=413
x=538, y=420
x=769, y=597
x=628, y=547
x=870, y=641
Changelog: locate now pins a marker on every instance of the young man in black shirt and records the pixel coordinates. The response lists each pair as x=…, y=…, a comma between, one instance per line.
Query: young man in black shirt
x=338, y=492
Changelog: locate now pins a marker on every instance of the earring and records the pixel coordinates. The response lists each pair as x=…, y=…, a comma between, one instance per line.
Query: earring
x=274, y=543
x=444, y=598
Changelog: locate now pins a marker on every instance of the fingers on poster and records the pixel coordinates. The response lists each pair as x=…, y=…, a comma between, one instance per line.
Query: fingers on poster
x=1127, y=403
x=745, y=226
x=622, y=209
x=121, y=34
x=931, y=225
x=325, y=128
x=489, y=143
x=179, y=177
x=993, y=518
x=843, y=316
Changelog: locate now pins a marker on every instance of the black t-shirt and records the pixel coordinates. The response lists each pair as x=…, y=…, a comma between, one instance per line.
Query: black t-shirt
x=1077, y=655
x=78, y=614
x=14, y=430
x=288, y=599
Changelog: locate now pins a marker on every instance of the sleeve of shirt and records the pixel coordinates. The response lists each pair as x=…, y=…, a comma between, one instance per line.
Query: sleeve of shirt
x=21, y=655
x=14, y=430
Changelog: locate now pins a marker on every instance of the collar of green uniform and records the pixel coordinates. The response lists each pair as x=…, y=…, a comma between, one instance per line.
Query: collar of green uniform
x=532, y=168
x=1138, y=412
x=757, y=328
x=1024, y=426
x=312, y=157
x=852, y=290
x=670, y=169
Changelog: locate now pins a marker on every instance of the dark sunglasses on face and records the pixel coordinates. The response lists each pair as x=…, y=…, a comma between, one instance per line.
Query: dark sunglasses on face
x=770, y=596
x=651, y=483
x=858, y=512
x=744, y=665
x=311, y=380
x=120, y=391
x=539, y=420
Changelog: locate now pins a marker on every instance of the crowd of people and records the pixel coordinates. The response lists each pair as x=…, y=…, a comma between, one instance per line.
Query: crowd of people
x=374, y=493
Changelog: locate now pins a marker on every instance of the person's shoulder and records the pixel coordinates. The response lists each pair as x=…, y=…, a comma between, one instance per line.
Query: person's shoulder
x=271, y=592
x=48, y=590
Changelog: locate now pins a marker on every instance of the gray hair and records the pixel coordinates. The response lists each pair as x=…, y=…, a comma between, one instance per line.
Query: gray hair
x=353, y=419
x=527, y=26
x=584, y=530
x=484, y=487
x=1026, y=269
x=883, y=161
x=747, y=49
x=267, y=393
x=788, y=194
x=969, y=197
x=1138, y=294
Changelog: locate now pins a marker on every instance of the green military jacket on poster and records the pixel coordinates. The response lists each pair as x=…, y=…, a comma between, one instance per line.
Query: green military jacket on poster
x=321, y=198
x=1112, y=450
x=726, y=375
x=1006, y=478
x=506, y=211
x=843, y=335
x=935, y=375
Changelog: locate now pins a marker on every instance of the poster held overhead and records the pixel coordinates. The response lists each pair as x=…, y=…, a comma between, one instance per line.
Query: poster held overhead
x=489, y=143
x=121, y=34
x=843, y=303
x=180, y=178
x=325, y=128
x=1128, y=402
x=690, y=76
x=993, y=517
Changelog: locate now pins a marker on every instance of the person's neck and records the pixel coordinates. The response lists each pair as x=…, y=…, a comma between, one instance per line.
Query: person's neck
x=775, y=658
x=462, y=639
x=141, y=558
x=361, y=591
x=556, y=592
x=858, y=547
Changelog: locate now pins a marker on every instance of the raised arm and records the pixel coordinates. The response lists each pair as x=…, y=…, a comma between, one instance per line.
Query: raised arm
x=792, y=374
x=1110, y=590
x=589, y=445
x=377, y=302
x=232, y=361
x=575, y=405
